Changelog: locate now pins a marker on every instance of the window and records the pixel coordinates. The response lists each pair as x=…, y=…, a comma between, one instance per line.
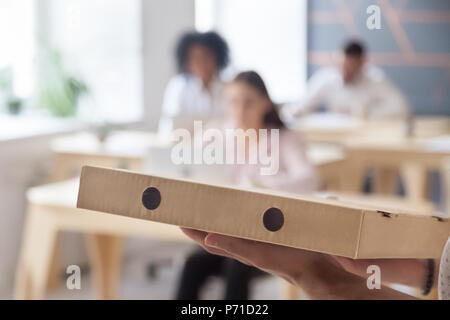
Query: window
x=101, y=42
x=53, y=45
x=18, y=46
x=268, y=36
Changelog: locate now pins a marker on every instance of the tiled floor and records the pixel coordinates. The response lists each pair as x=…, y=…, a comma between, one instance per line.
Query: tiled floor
x=136, y=283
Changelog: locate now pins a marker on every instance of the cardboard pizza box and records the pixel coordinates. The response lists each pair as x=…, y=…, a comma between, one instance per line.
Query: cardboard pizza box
x=323, y=225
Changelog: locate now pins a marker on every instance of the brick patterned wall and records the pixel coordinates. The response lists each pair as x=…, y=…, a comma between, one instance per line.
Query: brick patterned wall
x=412, y=47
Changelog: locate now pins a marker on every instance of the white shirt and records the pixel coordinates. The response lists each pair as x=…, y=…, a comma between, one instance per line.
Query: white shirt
x=186, y=100
x=371, y=96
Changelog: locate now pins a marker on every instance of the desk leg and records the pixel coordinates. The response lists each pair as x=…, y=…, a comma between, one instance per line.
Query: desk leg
x=352, y=177
x=54, y=276
x=415, y=180
x=35, y=257
x=385, y=181
x=105, y=253
x=446, y=185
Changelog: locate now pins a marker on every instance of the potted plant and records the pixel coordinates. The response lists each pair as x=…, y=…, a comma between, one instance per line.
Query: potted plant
x=14, y=105
x=59, y=90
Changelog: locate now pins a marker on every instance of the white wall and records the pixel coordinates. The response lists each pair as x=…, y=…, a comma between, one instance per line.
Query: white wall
x=22, y=163
x=269, y=37
x=163, y=22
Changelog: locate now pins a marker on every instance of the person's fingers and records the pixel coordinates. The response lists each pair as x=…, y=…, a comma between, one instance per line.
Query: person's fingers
x=345, y=263
x=271, y=258
x=233, y=246
x=262, y=255
x=357, y=267
x=227, y=255
x=196, y=235
x=247, y=251
x=217, y=251
x=199, y=237
x=221, y=252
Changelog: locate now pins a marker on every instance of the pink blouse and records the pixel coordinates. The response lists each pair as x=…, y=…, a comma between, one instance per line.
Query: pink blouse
x=295, y=173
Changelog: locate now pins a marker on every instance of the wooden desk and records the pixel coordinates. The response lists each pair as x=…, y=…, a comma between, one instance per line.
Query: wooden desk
x=412, y=157
x=384, y=147
x=51, y=210
x=329, y=159
x=340, y=129
x=132, y=150
x=122, y=149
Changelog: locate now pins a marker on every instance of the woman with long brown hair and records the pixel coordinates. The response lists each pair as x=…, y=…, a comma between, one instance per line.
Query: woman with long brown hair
x=250, y=108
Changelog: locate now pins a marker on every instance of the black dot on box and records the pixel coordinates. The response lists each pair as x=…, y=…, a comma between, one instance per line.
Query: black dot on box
x=273, y=219
x=151, y=198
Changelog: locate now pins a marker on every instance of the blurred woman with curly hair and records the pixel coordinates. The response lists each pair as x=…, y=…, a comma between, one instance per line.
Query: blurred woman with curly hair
x=195, y=93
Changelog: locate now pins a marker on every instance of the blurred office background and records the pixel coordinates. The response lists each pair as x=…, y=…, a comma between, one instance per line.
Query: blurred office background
x=75, y=66
x=412, y=46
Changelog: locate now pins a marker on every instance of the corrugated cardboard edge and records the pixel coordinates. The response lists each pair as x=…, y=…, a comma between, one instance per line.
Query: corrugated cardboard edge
x=96, y=181
x=422, y=237
x=363, y=214
x=357, y=250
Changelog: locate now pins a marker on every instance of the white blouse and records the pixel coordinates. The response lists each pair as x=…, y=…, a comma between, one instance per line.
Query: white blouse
x=186, y=100
x=444, y=273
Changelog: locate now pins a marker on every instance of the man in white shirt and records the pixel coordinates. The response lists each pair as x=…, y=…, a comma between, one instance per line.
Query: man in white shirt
x=354, y=89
